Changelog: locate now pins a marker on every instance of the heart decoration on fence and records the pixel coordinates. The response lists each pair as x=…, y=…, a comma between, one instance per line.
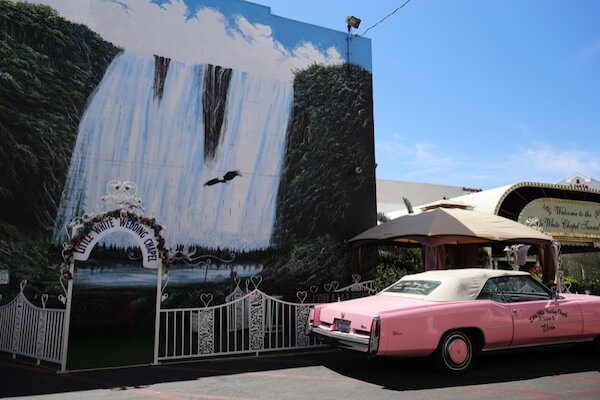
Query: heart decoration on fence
x=355, y=278
x=567, y=287
x=331, y=286
x=44, y=299
x=256, y=280
x=206, y=298
x=314, y=289
x=62, y=298
x=301, y=295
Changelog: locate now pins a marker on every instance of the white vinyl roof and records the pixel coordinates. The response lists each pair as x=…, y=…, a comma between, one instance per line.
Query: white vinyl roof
x=456, y=284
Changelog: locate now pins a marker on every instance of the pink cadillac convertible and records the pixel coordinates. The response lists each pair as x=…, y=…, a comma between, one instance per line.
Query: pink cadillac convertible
x=454, y=314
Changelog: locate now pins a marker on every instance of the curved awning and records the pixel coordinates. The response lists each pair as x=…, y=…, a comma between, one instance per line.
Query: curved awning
x=570, y=214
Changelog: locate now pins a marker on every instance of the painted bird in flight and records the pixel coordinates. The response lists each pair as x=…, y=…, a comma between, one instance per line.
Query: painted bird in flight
x=226, y=178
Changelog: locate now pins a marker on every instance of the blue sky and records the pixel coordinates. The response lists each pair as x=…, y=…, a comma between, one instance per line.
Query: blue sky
x=283, y=29
x=478, y=93
x=469, y=93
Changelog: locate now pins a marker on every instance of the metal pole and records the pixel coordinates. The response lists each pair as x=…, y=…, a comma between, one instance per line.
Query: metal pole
x=157, y=316
x=67, y=320
x=348, y=48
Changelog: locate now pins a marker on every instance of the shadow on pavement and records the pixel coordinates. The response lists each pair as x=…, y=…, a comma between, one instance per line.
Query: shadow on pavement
x=20, y=379
x=496, y=367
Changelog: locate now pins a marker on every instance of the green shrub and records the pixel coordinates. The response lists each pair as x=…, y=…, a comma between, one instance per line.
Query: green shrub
x=386, y=275
x=577, y=286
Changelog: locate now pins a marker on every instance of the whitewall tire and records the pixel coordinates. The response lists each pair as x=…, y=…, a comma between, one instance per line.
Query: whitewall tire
x=455, y=353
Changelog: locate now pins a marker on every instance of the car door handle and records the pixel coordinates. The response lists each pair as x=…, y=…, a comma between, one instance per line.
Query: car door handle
x=515, y=311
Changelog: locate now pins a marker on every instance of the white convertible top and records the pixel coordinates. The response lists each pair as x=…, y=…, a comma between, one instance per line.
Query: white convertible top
x=455, y=284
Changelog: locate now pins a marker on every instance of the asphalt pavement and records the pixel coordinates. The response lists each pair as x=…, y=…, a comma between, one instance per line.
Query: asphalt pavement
x=550, y=374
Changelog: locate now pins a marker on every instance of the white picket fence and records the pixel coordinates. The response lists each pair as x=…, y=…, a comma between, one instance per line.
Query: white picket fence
x=31, y=331
x=253, y=323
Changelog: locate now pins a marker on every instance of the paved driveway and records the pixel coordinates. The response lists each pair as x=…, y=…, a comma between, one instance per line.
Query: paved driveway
x=566, y=373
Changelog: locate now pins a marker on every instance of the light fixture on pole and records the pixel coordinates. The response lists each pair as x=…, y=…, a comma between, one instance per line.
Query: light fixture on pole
x=352, y=22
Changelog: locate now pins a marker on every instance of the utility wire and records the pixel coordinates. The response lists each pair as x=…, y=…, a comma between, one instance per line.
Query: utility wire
x=384, y=18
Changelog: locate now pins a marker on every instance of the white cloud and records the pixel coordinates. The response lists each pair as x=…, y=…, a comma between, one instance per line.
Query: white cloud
x=403, y=159
x=535, y=161
x=139, y=26
x=554, y=163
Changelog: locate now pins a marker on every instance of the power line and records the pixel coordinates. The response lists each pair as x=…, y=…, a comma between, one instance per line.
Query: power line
x=384, y=18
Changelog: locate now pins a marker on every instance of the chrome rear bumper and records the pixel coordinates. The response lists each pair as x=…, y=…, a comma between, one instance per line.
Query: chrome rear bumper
x=342, y=340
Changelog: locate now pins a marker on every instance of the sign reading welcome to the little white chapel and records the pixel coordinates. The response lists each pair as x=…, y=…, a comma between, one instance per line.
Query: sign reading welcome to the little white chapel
x=143, y=235
x=565, y=217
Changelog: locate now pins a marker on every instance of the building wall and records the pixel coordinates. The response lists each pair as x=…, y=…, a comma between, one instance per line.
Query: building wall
x=580, y=181
x=204, y=104
x=390, y=195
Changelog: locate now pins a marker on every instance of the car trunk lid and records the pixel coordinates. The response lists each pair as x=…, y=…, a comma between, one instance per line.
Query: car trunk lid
x=360, y=312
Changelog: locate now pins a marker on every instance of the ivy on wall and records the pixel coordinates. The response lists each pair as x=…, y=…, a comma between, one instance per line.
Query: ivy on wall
x=327, y=190
x=328, y=181
x=48, y=68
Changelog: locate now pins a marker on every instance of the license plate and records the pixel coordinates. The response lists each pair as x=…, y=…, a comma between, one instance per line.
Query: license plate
x=342, y=325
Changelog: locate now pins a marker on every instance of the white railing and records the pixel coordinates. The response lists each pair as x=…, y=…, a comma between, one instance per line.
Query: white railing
x=358, y=286
x=253, y=323
x=31, y=331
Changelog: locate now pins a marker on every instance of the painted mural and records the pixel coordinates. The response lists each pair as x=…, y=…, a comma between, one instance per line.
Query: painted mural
x=249, y=136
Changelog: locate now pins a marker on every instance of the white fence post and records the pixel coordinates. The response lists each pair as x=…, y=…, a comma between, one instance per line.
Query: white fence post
x=157, y=316
x=41, y=331
x=18, y=324
x=67, y=320
x=257, y=321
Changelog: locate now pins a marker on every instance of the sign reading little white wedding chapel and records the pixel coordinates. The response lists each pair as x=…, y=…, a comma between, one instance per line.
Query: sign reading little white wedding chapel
x=143, y=235
x=564, y=217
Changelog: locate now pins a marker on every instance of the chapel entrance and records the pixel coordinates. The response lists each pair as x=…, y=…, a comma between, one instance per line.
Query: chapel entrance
x=115, y=266
x=112, y=323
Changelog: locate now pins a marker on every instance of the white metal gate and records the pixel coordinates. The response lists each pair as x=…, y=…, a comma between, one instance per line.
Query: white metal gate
x=253, y=323
x=31, y=331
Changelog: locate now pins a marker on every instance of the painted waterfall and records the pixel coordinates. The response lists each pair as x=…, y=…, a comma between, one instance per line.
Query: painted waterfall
x=254, y=137
x=172, y=128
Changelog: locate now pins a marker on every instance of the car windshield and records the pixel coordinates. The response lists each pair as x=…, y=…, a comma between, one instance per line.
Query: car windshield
x=510, y=289
x=422, y=288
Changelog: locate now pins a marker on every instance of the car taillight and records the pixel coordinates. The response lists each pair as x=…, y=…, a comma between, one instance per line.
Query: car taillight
x=375, y=335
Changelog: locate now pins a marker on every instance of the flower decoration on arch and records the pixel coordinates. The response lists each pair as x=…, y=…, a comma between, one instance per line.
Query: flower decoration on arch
x=88, y=222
